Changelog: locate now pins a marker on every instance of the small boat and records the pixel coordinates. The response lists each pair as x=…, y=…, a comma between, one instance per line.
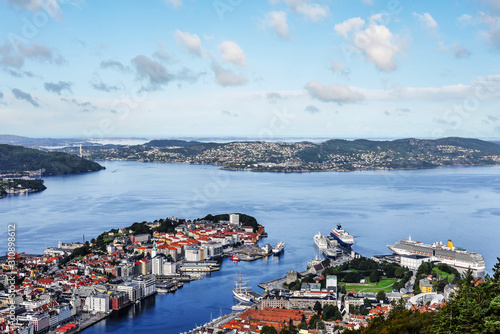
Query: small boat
x=235, y=258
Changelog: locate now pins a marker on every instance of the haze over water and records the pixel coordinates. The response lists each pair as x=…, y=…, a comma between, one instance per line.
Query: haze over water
x=377, y=207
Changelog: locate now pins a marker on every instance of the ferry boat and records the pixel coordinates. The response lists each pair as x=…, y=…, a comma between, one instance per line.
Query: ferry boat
x=235, y=258
x=241, y=290
x=320, y=240
x=278, y=248
x=456, y=257
x=342, y=236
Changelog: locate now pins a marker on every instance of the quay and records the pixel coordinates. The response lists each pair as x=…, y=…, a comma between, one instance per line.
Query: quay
x=215, y=323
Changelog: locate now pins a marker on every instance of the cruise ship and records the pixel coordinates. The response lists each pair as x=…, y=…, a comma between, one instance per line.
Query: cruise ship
x=458, y=258
x=278, y=248
x=320, y=240
x=341, y=235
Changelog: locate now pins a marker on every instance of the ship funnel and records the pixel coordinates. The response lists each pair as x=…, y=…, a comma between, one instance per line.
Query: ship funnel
x=449, y=244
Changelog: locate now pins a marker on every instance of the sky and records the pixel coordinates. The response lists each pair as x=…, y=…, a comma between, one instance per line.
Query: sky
x=246, y=68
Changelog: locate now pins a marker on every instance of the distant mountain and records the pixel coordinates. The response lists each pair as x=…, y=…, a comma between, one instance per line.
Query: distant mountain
x=41, y=142
x=18, y=159
x=330, y=155
x=170, y=143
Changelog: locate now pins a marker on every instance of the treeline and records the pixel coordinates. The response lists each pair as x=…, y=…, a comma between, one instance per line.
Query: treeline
x=474, y=309
x=20, y=159
x=245, y=220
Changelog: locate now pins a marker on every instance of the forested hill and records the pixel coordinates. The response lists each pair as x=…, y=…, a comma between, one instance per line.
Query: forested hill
x=20, y=159
x=330, y=155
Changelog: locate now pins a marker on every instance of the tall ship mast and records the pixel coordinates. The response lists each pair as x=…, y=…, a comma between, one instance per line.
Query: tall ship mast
x=456, y=257
x=241, y=290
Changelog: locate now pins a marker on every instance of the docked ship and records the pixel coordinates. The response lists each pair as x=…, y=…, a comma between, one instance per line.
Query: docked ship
x=342, y=236
x=320, y=240
x=278, y=248
x=456, y=257
x=235, y=258
x=241, y=290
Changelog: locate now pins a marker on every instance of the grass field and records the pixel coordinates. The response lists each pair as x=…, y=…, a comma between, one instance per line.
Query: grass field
x=384, y=285
x=443, y=274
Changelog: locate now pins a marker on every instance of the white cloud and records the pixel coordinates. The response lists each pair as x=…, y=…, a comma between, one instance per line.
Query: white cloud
x=337, y=66
x=174, y=3
x=314, y=12
x=191, y=42
x=51, y=7
x=492, y=22
x=465, y=19
x=427, y=21
x=232, y=52
x=277, y=21
x=350, y=25
x=225, y=77
x=379, y=46
x=333, y=93
x=460, y=52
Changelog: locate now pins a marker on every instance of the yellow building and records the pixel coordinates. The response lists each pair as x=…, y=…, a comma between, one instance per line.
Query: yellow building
x=425, y=285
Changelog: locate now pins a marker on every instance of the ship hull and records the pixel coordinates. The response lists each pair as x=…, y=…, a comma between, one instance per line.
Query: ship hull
x=340, y=241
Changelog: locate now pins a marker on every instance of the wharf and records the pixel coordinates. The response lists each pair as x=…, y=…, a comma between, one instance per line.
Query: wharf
x=216, y=323
x=278, y=282
x=89, y=320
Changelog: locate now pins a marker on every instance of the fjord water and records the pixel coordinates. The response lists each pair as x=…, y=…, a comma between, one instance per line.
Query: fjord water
x=377, y=207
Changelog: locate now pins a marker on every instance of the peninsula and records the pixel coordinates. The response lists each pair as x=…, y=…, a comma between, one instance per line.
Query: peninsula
x=21, y=168
x=330, y=155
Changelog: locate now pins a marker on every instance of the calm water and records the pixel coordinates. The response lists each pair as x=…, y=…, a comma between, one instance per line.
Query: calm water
x=378, y=208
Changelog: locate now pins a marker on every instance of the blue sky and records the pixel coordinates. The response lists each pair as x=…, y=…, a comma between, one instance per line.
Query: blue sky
x=260, y=69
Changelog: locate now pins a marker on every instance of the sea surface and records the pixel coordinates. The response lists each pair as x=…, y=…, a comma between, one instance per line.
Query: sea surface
x=377, y=207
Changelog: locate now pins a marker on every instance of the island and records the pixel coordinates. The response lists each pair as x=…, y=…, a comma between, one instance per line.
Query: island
x=22, y=168
x=331, y=155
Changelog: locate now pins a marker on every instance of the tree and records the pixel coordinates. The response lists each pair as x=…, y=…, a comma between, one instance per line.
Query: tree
x=315, y=322
x=268, y=330
x=330, y=313
x=399, y=272
x=374, y=276
x=317, y=307
x=381, y=295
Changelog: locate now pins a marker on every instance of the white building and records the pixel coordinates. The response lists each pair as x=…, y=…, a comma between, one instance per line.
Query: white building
x=132, y=289
x=192, y=254
x=157, y=264
x=169, y=268
x=234, y=219
x=99, y=303
x=147, y=285
x=412, y=262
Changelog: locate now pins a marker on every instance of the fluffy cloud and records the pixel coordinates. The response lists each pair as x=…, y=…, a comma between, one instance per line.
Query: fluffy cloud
x=350, y=25
x=427, y=20
x=151, y=70
x=161, y=53
x=232, y=52
x=312, y=109
x=337, y=66
x=12, y=59
x=51, y=7
x=460, y=52
x=114, y=65
x=191, y=42
x=277, y=21
x=379, y=46
x=225, y=77
x=20, y=95
x=58, y=87
x=492, y=23
x=333, y=93
x=312, y=11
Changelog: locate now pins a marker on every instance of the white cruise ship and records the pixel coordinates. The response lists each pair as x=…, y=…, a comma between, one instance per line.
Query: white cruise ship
x=320, y=240
x=458, y=258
